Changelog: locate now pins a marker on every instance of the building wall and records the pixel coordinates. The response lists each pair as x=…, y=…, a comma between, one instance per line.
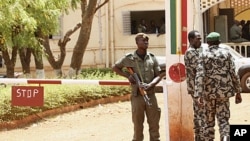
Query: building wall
x=107, y=41
x=243, y=16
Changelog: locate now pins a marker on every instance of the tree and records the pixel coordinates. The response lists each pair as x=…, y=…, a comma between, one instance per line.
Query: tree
x=57, y=64
x=27, y=28
x=88, y=10
x=20, y=20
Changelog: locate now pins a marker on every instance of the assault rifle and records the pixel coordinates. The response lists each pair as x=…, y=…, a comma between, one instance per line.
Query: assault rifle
x=140, y=86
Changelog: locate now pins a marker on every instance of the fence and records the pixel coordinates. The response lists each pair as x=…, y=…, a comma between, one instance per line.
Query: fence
x=243, y=48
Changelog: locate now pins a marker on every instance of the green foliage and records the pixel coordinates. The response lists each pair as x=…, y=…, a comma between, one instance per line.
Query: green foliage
x=101, y=73
x=20, y=19
x=74, y=3
x=56, y=96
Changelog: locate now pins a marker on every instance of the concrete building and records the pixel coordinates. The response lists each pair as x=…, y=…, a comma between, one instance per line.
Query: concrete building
x=114, y=24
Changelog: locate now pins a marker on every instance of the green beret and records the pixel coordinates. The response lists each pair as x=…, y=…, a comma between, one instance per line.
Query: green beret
x=213, y=36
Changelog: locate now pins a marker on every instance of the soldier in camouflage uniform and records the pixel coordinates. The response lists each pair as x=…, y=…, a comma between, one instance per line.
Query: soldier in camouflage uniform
x=191, y=61
x=216, y=81
x=146, y=66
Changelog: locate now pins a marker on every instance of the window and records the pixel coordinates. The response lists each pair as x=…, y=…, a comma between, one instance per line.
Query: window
x=150, y=22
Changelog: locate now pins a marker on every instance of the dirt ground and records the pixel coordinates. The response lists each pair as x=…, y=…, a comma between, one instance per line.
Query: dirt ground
x=109, y=122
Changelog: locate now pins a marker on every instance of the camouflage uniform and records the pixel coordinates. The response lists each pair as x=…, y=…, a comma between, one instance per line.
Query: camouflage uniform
x=148, y=68
x=191, y=62
x=216, y=81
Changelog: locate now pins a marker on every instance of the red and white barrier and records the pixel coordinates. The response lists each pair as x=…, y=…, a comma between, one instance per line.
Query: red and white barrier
x=68, y=81
x=63, y=81
x=34, y=96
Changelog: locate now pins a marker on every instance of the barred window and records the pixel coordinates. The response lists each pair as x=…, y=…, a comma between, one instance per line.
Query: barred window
x=150, y=22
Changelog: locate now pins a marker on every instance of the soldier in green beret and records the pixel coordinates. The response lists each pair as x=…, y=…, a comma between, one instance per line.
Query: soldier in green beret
x=216, y=82
x=213, y=37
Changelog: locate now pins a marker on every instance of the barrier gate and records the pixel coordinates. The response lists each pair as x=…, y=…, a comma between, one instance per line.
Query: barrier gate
x=33, y=95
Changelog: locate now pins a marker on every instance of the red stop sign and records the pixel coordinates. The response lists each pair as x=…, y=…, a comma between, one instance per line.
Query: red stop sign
x=27, y=96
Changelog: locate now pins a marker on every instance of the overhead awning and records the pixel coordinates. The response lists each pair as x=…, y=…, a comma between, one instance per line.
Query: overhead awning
x=206, y=4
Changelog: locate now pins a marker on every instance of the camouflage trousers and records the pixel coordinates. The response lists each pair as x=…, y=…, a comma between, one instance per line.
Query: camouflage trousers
x=199, y=121
x=218, y=108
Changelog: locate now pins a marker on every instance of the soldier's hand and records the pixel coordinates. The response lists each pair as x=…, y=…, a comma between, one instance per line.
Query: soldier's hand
x=131, y=79
x=147, y=86
x=238, y=98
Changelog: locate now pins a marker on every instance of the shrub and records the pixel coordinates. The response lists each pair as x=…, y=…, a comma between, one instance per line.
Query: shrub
x=62, y=95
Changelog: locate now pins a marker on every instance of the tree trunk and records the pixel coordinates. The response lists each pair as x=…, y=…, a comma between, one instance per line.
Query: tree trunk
x=25, y=56
x=58, y=73
x=83, y=38
x=57, y=64
x=38, y=57
x=9, y=62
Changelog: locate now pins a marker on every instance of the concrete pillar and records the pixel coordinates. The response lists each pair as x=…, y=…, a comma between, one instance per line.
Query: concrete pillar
x=180, y=109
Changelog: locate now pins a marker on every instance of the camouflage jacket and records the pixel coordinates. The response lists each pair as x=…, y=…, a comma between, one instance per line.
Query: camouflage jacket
x=191, y=61
x=216, y=76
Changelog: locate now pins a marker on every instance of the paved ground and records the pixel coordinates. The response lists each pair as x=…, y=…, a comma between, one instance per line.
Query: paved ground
x=110, y=122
